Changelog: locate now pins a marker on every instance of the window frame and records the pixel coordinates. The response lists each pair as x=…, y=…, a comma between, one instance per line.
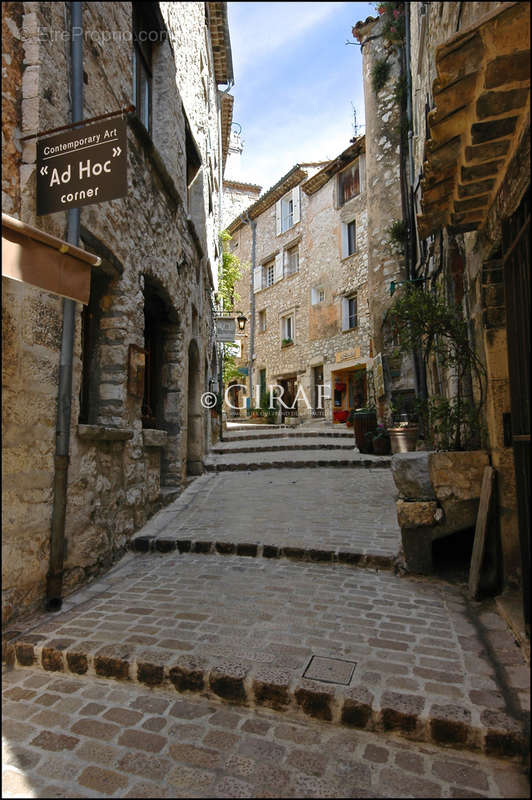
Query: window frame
x=268, y=270
x=347, y=317
x=289, y=251
x=142, y=60
x=290, y=317
x=261, y=318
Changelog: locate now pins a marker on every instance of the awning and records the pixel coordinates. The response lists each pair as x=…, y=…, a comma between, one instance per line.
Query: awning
x=43, y=260
x=482, y=102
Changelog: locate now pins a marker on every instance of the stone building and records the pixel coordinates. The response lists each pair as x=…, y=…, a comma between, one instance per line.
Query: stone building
x=143, y=348
x=468, y=169
x=238, y=194
x=307, y=299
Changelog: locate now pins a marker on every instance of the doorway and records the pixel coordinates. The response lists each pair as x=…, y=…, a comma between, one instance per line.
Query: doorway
x=289, y=397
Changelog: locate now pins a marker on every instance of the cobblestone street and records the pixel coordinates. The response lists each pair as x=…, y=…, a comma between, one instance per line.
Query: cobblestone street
x=257, y=643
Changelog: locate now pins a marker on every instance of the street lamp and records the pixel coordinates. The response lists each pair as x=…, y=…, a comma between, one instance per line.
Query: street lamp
x=241, y=320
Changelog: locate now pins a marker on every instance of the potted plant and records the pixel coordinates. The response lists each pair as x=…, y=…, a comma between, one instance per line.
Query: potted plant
x=381, y=441
x=287, y=342
x=364, y=420
x=350, y=418
x=404, y=436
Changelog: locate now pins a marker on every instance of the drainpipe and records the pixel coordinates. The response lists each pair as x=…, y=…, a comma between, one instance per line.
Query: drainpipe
x=419, y=367
x=54, y=579
x=253, y=225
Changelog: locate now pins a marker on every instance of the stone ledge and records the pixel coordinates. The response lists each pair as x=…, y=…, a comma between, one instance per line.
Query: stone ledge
x=154, y=438
x=104, y=433
x=283, y=690
x=146, y=543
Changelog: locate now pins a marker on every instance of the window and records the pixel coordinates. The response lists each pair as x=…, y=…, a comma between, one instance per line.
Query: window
x=262, y=321
x=317, y=296
x=268, y=274
x=287, y=330
x=142, y=68
x=349, y=312
x=287, y=211
x=291, y=261
x=349, y=183
x=349, y=241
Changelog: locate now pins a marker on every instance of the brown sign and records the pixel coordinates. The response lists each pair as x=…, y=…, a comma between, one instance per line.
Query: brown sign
x=83, y=166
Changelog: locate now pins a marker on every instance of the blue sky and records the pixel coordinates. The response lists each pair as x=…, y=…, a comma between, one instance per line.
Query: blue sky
x=295, y=79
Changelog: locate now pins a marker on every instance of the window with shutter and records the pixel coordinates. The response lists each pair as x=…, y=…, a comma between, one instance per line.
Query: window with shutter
x=257, y=279
x=348, y=183
x=278, y=217
x=296, y=203
x=268, y=274
x=348, y=238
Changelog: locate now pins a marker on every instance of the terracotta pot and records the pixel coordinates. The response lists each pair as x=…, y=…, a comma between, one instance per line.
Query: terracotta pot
x=403, y=440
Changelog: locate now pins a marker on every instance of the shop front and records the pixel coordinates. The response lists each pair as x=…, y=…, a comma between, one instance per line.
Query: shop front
x=349, y=391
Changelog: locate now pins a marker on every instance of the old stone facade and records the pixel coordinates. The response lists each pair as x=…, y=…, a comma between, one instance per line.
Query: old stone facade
x=469, y=69
x=309, y=300
x=385, y=207
x=130, y=447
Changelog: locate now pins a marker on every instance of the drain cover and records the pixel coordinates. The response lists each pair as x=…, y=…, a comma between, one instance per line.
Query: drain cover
x=330, y=670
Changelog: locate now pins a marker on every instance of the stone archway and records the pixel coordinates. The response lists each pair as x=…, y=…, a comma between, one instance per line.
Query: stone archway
x=194, y=412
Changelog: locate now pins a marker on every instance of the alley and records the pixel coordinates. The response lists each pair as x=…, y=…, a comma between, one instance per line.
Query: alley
x=298, y=671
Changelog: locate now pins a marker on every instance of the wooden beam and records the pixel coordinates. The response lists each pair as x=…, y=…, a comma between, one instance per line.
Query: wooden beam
x=481, y=527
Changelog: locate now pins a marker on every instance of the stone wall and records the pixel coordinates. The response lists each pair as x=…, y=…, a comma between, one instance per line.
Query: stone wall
x=236, y=198
x=12, y=58
x=386, y=258
x=319, y=339
x=150, y=244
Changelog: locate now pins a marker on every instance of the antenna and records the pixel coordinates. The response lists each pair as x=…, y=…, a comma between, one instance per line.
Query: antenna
x=356, y=127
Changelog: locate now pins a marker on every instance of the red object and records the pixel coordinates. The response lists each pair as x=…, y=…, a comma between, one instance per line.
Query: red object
x=340, y=415
x=339, y=386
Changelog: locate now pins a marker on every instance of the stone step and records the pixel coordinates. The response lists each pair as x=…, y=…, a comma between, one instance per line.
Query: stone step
x=287, y=640
x=277, y=434
x=271, y=445
x=288, y=459
x=167, y=543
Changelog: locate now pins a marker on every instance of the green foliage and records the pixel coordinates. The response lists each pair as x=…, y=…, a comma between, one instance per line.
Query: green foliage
x=265, y=402
x=230, y=370
x=231, y=271
x=286, y=342
x=426, y=322
x=398, y=232
x=447, y=421
x=379, y=74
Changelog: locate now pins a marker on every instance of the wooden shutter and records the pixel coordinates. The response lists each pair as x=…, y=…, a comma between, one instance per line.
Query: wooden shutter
x=257, y=279
x=297, y=204
x=278, y=273
x=345, y=244
x=278, y=218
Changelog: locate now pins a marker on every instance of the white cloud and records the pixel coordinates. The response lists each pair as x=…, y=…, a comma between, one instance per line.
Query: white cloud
x=258, y=29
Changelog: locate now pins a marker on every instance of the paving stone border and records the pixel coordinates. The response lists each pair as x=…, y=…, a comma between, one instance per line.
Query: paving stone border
x=166, y=544
x=80, y=737
x=211, y=465
x=263, y=686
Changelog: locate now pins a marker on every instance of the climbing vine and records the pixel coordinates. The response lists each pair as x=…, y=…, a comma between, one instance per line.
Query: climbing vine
x=427, y=322
x=231, y=272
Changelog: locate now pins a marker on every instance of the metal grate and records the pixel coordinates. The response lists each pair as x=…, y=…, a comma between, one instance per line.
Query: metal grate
x=330, y=670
